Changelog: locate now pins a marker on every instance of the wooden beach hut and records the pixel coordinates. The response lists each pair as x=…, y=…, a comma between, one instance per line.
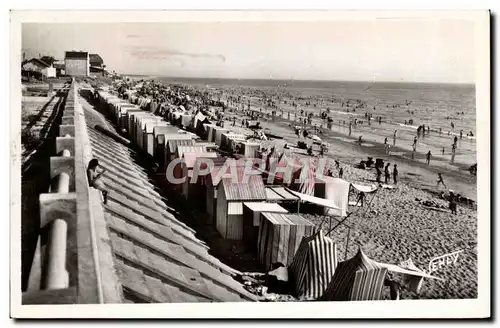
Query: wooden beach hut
x=251, y=220
x=141, y=132
x=250, y=149
x=149, y=137
x=172, y=141
x=212, y=183
x=217, y=137
x=230, y=197
x=280, y=236
x=195, y=190
x=207, y=131
x=159, y=133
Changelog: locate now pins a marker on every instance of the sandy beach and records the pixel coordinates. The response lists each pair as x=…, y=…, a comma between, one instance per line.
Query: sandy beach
x=394, y=225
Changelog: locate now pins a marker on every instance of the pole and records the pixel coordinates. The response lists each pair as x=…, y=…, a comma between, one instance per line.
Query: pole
x=347, y=242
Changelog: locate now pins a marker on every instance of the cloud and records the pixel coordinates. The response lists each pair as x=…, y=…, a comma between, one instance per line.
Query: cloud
x=161, y=53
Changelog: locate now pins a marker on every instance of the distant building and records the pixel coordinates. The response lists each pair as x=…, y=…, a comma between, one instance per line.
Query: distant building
x=96, y=60
x=77, y=63
x=34, y=65
x=60, y=67
x=37, y=68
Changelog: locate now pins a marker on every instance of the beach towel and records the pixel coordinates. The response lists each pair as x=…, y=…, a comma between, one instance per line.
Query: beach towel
x=337, y=191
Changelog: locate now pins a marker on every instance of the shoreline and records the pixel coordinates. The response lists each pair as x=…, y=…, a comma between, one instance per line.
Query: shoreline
x=415, y=172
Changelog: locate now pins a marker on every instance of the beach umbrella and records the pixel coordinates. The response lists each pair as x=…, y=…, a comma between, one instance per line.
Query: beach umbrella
x=357, y=279
x=313, y=266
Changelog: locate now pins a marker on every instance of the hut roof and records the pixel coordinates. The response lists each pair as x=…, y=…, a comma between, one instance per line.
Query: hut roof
x=253, y=189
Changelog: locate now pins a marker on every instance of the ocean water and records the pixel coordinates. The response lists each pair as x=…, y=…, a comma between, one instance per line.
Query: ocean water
x=435, y=105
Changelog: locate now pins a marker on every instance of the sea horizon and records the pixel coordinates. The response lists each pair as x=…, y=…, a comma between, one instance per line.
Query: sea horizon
x=299, y=81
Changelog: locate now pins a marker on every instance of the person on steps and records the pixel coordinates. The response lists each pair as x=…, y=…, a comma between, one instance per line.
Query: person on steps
x=94, y=177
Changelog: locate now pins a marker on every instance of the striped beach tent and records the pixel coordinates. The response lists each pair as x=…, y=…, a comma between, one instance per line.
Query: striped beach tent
x=357, y=279
x=313, y=266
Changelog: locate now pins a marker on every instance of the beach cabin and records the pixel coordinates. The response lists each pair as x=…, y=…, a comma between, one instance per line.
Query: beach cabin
x=159, y=133
x=250, y=149
x=204, y=131
x=132, y=118
x=149, y=138
x=194, y=190
x=178, y=170
x=138, y=126
x=279, y=237
x=251, y=220
x=172, y=141
x=209, y=132
x=212, y=182
x=142, y=136
x=210, y=146
x=122, y=119
x=230, y=140
x=217, y=135
x=230, y=197
x=281, y=196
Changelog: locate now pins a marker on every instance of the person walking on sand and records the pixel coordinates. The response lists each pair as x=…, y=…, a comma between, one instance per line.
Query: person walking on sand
x=94, y=178
x=341, y=172
x=442, y=151
x=395, y=173
x=360, y=140
x=440, y=180
x=350, y=128
x=428, y=156
x=387, y=173
x=385, y=141
x=394, y=137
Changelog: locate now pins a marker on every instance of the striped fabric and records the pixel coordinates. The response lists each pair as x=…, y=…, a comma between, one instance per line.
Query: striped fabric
x=357, y=279
x=313, y=266
x=280, y=236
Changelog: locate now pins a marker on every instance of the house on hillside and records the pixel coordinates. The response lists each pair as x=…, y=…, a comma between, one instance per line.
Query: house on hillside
x=77, y=63
x=37, y=68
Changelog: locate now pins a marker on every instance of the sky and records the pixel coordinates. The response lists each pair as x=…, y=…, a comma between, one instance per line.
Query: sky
x=410, y=50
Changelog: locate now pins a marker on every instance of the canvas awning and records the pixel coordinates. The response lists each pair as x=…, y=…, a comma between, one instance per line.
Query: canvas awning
x=365, y=189
x=334, y=209
x=398, y=269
